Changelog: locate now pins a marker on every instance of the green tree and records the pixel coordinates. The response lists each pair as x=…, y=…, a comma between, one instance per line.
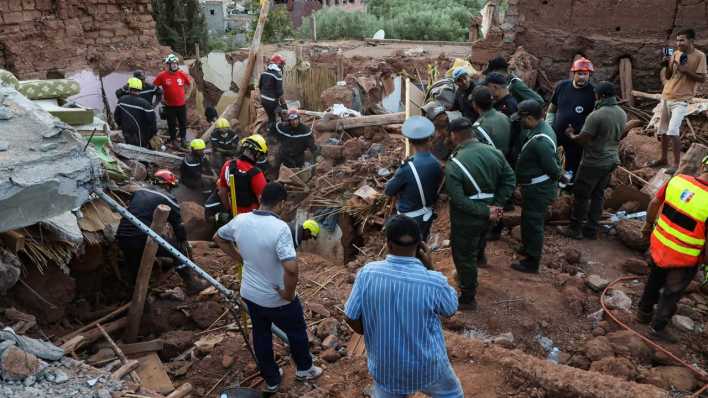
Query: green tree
x=279, y=25
x=180, y=25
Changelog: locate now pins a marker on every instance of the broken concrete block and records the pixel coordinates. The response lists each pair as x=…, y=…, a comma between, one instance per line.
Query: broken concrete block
x=629, y=232
x=618, y=300
x=16, y=364
x=635, y=266
x=596, y=282
x=683, y=323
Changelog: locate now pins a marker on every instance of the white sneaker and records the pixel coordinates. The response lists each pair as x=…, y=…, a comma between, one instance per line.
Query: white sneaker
x=274, y=388
x=309, y=374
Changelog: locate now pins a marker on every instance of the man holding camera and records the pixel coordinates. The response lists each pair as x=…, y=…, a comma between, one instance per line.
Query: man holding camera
x=686, y=69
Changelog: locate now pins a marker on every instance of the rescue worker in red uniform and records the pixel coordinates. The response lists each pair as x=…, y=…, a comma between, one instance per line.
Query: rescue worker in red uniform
x=677, y=247
x=249, y=179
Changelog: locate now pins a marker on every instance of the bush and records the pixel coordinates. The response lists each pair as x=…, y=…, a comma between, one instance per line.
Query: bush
x=333, y=24
x=278, y=27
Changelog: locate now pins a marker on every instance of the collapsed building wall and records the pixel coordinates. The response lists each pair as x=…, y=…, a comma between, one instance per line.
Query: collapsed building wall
x=602, y=30
x=37, y=36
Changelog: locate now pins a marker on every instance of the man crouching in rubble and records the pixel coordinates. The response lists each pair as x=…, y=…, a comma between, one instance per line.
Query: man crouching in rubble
x=131, y=240
x=396, y=305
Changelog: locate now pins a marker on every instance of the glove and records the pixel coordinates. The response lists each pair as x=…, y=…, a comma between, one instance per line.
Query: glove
x=550, y=118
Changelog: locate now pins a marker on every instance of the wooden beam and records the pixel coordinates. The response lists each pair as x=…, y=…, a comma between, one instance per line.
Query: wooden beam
x=363, y=121
x=93, y=324
x=234, y=109
x=72, y=344
x=142, y=282
x=92, y=335
x=119, y=353
x=13, y=240
x=181, y=392
x=146, y=155
x=142, y=347
x=128, y=367
x=626, y=86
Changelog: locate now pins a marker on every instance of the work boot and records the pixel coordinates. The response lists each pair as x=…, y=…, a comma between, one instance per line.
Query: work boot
x=526, y=266
x=663, y=335
x=571, y=232
x=467, y=303
x=192, y=282
x=644, y=317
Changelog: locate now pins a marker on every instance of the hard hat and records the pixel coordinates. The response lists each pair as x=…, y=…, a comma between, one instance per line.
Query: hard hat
x=222, y=123
x=277, y=59
x=135, y=84
x=197, y=144
x=417, y=128
x=458, y=73
x=164, y=176
x=293, y=114
x=705, y=160
x=433, y=109
x=171, y=59
x=582, y=64
x=255, y=142
x=312, y=226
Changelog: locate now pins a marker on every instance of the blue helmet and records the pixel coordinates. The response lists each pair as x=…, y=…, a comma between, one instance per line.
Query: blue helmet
x=458, y=73
x=417, y=128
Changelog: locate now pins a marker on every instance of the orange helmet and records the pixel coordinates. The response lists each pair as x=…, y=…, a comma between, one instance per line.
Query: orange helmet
x=582, y=64
x=277, y=59
x=164, y=176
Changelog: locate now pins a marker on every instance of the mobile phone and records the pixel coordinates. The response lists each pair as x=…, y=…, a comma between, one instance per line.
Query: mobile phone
x=667, y=51
x=684, y=59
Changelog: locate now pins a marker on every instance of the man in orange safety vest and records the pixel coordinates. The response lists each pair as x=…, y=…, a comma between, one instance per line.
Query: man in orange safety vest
x=677, y=247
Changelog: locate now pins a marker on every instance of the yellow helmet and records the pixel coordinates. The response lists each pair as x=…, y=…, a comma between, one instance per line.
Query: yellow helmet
x=135, y=84
x=312, y=226
x=255, y=142
x=197, y=144
x=222, y=123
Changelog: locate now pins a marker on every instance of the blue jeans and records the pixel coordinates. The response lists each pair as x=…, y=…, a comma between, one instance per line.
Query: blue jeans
x=291, y=320
x=448, y=386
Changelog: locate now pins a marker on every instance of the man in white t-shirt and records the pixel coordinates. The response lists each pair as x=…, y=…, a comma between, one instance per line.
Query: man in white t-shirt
x=263, y=243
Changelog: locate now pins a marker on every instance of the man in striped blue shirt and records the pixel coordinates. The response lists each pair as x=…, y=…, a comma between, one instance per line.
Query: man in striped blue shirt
x=396, y=305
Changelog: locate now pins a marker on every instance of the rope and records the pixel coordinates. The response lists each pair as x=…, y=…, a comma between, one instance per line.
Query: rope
x=701, y=374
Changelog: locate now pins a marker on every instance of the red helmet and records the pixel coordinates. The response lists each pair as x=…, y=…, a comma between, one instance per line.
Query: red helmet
x=277, y=59
x=582, y=64
x=164, y=176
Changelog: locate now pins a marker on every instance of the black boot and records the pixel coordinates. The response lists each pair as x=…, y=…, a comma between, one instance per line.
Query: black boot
x=467, y=302
x=526, y=265
x=494, y=233
x=192, y=282
x=644, y=317
x=571, y=232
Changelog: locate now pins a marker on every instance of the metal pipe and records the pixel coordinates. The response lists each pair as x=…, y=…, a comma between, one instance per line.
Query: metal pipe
x=184, y=260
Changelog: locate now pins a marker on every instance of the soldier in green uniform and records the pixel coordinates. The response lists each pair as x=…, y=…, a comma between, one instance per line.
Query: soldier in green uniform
x=537, y=170
x=492, y=125
x=478, y=181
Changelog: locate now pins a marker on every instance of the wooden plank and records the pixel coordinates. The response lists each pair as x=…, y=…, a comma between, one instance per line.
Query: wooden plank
x=128, y=367
x=142, y=347
x=93, y=324
x=362, y=121
x=71, y=345
x=656, y=182
x=13, y=240
x=119, y=352
x=142, y=282
x=146, y=155
x=356, y=346
x=153, y=374
x=181, y=392
x=92, y=335
x=626, y=86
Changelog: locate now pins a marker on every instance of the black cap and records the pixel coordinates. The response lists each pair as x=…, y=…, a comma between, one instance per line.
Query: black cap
x=530, y=107
x=403, y=231
x=495, y=78
x=139, y=74
x=461, y=123
x=482, y=96
x=498, y=63
x=605, y=89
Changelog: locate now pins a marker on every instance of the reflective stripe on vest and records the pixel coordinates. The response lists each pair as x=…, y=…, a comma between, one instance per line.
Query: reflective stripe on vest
x=486, y=136
x=425, y=211
x=543, y=177
x=480, y=195
x=679, y=236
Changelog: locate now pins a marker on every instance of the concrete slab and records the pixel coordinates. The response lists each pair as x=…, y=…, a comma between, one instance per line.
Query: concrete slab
x=44, y=172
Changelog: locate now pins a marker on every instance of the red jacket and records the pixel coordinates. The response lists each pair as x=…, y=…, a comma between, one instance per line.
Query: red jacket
x=174, y=86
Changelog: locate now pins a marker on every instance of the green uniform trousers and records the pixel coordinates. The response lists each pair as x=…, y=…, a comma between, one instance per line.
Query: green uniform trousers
x=468, y=241
x=535, y=201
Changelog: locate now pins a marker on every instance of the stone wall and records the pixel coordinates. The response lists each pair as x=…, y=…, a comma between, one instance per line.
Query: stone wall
x=37, y=36
x=602, y=30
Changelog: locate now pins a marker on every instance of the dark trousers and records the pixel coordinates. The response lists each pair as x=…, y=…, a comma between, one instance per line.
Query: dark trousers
x=589, y=191
x=175, y=115
x=664, y=287
x=535, y=200
x=132, y=249
x=573, y=153
x=468, y=242
x=291, y=319
x=270, y=108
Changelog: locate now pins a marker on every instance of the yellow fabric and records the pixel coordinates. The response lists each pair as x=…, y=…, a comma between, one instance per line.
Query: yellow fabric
x=675, y=246
x=464, y=64
x=312, y=226
x=680, y=235
x=222, y=123
x=197, y=144
x=695, y=199
x=135, y=84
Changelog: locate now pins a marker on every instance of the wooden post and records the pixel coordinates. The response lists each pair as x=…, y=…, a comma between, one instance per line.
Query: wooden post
x=181, y=392
x=408, y=114
x=625, y=73
x=119, y=353
x=313, y=19
x=361, y=121
x=234, y=110
x=142, y=282
x=340, y=65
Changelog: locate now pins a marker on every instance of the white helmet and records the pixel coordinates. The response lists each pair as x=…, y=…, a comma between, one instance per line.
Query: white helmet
x=171, y=59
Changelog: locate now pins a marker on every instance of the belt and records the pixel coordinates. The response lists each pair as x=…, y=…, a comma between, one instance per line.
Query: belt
x=426, y=212
x=538, y=180
x=482, y=196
